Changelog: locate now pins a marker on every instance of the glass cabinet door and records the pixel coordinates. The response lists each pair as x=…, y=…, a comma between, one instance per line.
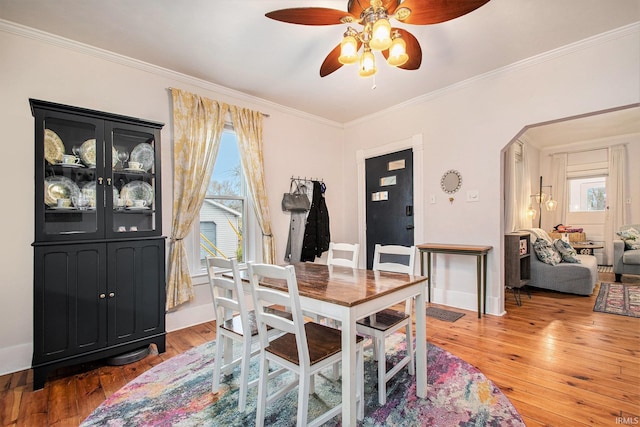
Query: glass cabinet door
x=132, y=202
x=68, y=165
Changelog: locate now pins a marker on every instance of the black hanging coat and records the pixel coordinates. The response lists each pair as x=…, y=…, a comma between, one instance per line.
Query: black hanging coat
x=316, y=233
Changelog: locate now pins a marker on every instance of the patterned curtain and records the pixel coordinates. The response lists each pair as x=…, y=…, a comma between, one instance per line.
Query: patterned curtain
x=248, y=127
x=198, y=124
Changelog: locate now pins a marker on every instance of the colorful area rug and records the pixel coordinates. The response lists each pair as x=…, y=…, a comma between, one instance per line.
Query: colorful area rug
x=178, y=393
x=619, y=298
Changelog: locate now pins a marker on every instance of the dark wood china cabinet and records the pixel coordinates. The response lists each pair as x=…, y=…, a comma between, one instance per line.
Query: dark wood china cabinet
x=99, y=253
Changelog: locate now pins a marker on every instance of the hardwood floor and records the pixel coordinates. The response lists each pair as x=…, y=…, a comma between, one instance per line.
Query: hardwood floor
x=559, y=362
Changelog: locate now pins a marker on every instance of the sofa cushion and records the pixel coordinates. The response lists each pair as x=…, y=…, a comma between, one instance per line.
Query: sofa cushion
x=631, y=257
x=566, y=251
x=546, y=252
x=631, y=238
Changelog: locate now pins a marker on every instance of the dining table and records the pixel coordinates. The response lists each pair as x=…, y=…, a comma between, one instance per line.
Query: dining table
x=349, y=294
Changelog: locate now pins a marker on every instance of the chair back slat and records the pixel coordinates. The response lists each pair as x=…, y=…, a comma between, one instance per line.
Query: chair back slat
x=337, y=249
x=264, y=297
x=396, y=252
x=226, y=293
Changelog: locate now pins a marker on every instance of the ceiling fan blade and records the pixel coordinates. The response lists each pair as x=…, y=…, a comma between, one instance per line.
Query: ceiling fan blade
x=414, y=51
x=436, y=11
x=331, y=62
x=355, y=7
x=311, y=16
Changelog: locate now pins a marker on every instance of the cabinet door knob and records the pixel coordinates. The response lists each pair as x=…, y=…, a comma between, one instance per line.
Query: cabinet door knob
x=112, y=294
x=108, y=181
x=102, y=296
x=100, y=180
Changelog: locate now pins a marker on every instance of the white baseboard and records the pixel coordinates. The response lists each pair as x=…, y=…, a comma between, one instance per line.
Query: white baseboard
x=191, y=316
x=16, y=358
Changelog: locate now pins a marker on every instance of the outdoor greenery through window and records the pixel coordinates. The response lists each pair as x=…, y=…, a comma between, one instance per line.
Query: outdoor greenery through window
x=588, y=194
x=222, y=214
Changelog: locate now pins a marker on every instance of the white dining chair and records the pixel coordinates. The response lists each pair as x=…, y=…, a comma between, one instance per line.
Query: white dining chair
x=343, y=254
x=386, y=322
x=303, y=348
x=235, y=323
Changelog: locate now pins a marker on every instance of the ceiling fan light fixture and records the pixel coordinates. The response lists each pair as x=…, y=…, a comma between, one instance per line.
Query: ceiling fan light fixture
x=367, y=64
x=348, y=50
x=397, y=52
x=381, y=35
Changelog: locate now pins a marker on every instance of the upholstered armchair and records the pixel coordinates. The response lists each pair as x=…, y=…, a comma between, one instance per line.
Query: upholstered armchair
x=626, y=260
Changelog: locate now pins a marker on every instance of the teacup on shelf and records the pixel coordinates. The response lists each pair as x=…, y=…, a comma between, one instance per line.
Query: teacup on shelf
x=63, y=203
x=136, y=165
x=70, y=159
x=139, y=203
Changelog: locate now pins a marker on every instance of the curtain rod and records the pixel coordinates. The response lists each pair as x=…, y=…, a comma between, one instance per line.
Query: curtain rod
x=586, y=150
x=263, y=114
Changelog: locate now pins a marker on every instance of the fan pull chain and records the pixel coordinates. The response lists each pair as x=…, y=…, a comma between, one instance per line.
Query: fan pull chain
x=373, y=86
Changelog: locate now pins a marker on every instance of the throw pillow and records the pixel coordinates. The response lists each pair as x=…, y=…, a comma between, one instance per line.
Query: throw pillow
x=631, y=238
x=546, y=252
x=566, y=251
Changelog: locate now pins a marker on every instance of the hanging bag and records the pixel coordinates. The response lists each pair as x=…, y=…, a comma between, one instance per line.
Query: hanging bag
x=295, y=201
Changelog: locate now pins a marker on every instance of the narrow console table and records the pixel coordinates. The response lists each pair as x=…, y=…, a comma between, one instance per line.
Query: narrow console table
x=480, y=252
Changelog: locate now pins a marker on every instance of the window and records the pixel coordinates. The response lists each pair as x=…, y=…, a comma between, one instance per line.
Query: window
x=587, y=194
x=222, y=227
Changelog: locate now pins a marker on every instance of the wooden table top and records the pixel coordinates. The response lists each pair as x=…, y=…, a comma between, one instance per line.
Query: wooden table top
x=344, y=285
x=449, y=248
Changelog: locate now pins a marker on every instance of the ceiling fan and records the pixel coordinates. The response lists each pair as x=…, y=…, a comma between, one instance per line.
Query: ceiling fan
x=399, y=47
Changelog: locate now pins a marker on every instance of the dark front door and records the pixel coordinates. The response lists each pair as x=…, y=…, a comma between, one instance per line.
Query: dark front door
x=389, y=193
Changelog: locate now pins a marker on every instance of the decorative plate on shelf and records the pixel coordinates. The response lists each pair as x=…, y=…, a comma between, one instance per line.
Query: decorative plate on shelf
x=89, y=191
x=53, y=147
x=143, y=153
x=88, y=153
x=137, y=190
x=59, y=187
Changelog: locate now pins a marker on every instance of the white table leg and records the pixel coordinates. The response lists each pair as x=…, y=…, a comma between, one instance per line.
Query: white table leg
x=349, y=377
x=421, y=344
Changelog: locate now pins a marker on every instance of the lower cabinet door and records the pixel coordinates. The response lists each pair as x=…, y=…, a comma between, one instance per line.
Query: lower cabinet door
x=70, y=310
x=135, y=290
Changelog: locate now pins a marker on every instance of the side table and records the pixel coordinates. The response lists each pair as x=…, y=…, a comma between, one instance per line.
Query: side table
x=586, y=248
x=480, y=252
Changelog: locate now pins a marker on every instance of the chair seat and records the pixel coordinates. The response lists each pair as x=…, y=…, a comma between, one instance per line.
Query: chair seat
x=384, y=320
x=235, y=323
x=323, y=342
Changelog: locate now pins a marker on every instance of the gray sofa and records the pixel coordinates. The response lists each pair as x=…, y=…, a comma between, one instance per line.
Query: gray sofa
x=625, y=261
x=565, y=277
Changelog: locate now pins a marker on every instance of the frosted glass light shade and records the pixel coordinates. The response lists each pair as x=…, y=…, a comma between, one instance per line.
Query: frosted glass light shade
x=397, y=53
x=381, y=35
x=367, y=64
x=348, y=50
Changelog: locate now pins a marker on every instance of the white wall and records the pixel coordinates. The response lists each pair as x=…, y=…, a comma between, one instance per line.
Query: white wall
x=466, y=126
x=51, y=69
x=463, y=127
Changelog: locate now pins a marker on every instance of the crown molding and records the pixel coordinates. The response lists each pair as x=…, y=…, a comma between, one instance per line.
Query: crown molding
x=65, y=43
x=598, y=39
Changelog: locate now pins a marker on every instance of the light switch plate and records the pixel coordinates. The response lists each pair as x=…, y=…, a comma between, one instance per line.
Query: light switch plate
x=432, y=198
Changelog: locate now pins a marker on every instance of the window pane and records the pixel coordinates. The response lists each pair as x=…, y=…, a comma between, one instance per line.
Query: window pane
x=221, y=216
x=587, y=194
x=221, y=229
x=227, y=173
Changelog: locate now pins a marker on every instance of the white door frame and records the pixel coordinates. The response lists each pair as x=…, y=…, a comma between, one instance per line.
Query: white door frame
x=415, y=143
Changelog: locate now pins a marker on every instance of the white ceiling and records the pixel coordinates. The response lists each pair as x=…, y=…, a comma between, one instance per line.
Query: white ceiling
x=231, y=43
